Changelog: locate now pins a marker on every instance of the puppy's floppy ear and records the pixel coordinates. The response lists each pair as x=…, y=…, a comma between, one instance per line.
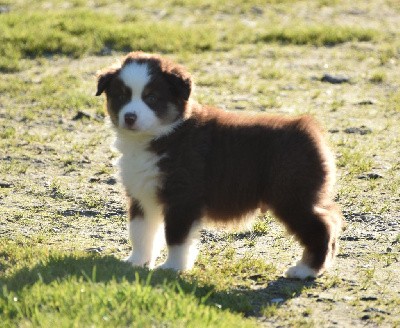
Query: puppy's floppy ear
x=103, y=80
x=181, y=83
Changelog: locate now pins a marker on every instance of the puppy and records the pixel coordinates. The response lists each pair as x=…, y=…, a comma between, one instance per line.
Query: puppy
x=183, y=164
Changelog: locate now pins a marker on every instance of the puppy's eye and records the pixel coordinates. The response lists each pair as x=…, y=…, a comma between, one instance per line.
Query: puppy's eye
x=151, y=98
x=123, y=94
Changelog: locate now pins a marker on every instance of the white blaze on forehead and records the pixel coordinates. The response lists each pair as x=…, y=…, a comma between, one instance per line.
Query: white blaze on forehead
x=135, y=76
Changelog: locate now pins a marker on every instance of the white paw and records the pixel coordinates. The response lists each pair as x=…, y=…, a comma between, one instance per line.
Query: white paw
x=166, y=266
x=172, y=265
x=180, y=257
x=301, y=271
x=138, y=260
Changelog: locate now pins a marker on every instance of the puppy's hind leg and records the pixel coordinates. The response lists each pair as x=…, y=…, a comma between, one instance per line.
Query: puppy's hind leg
x=182, y=235
x=317, y=230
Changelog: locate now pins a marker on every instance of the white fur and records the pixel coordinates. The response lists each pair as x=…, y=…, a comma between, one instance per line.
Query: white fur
x=140, y=176
x=182, y=257
x=135, y=76
x=147, y=238
x=301, y=271
x=138, y=170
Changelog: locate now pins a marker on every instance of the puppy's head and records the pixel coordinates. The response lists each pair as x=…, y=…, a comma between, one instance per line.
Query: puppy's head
x=146, y=93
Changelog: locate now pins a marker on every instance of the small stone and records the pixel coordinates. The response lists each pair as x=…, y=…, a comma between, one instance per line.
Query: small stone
x=365, y=102
x=348, y=298
x=325, y=297
x=85, y=160
x=4, y=184
x=370, y=176
x=4, y=9
x=361, y=130
x=255, y=277
x=350, y=238
x=111, y=181
x=81, y=115
x=369, y=298
x=89, y=213
x=376, y=310
x=96, y=236
x=334, y=79
x=97, y=250
x=277, y=300
x=370, y=237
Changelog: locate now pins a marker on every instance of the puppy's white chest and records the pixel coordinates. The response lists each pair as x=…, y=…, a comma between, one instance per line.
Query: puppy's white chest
x=138, y=169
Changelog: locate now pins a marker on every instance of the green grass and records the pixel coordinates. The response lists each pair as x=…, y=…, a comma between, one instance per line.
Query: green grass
x=317, y=35
x=378, y=77
x=79, y=290
x=355, y=162
x=221, y=268
x=79, y=32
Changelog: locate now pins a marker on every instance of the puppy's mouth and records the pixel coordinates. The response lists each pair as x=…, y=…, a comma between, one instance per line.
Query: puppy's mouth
x=129, y=127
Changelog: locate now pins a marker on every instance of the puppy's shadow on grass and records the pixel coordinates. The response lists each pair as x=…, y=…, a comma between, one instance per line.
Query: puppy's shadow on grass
x=105, y=269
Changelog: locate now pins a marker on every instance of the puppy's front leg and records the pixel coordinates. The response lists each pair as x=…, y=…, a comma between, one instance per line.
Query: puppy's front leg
x=182, y=235
x=146, y=235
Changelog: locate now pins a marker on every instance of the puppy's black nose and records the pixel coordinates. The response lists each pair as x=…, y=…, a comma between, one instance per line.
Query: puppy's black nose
x=130, y=119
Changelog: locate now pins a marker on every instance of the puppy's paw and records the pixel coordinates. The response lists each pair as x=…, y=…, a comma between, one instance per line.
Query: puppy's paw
x=137, y=260
x=301, y=271
x=175, y=265
x=170, y=265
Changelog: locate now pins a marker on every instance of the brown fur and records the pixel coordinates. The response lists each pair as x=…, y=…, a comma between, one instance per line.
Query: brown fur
x=223, y=165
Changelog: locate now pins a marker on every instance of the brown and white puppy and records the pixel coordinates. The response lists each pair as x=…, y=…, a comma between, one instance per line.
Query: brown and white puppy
x=183, y=164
